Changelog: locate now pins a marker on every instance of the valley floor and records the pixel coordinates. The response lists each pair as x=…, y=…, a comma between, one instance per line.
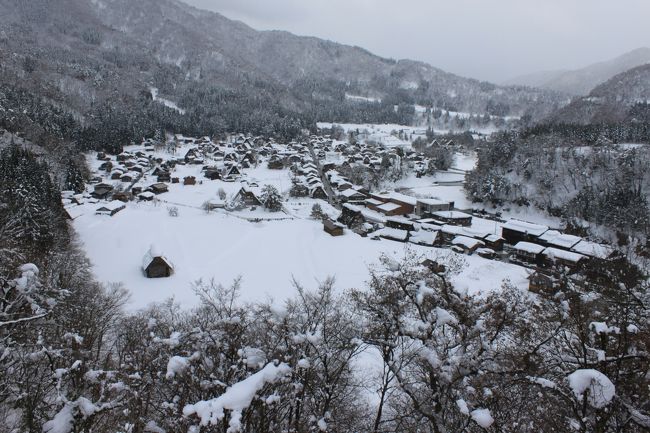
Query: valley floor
x=224, y=245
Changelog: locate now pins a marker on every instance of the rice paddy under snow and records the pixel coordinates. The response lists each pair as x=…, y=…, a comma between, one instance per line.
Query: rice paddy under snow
x=268, y=254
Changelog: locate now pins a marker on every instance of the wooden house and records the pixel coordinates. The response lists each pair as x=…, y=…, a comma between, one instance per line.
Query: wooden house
x=556, y=239
x=158, y=171
x=390, y=209
x=454, y=218
x=164, y=177
x=403, y=204
x=426, y=207
x=594, y=251
x=102, y=190
x=515, y=231
x=191, y=156
x=213, y=173
x=318, y=191
x=106, y=166
x=351, y=216
x=425, y=238
x=146, y=196
x=189, y=180
x=400, y=223
x=110, y=208
x=558, y=257
x=156, y=265
x=248, y=197
x=122, y=196
x=392, y=234
x=158, y=188
x=334, y=229
x=539, y=282
x=231, y=171
x=529, y=252
x=494, y=242
x=351, y=195
x=127, y=177
x=467, y=244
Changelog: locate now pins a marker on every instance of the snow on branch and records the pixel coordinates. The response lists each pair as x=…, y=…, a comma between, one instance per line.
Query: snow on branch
x=236, y=398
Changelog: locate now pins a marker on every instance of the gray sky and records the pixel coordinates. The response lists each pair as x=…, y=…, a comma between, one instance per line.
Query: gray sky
x=486, y=39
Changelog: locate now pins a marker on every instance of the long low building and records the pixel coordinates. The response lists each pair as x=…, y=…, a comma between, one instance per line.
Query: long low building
x=514, y=231
x=425, y=207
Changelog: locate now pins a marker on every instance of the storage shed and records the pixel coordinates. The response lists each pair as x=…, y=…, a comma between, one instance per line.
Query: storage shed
x=156, y=265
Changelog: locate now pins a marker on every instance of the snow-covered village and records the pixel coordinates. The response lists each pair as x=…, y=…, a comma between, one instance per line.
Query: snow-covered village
x=262, y=217
x=269, y=213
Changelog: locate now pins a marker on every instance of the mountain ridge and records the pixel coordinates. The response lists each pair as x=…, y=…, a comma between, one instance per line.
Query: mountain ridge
x=581, y=81
x=99, y=56
x=624, y=97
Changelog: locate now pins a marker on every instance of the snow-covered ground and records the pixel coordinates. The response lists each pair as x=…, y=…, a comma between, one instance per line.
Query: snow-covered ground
x=223, y=245
x=383, y=133
x=267, y=254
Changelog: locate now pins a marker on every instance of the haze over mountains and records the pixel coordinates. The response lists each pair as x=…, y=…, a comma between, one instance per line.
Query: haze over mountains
x=582, y=81
x=86, y=71
x=75, y=56
x=624, y=97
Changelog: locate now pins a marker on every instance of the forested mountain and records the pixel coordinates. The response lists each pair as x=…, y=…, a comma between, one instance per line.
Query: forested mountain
x=582, y=81
x=83, y=71
x=625, y=97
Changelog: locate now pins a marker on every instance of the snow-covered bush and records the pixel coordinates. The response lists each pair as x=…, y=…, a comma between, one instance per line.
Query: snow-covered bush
x=271, y=198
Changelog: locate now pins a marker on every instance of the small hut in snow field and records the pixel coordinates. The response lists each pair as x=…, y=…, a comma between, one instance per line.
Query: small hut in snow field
x=156, y=265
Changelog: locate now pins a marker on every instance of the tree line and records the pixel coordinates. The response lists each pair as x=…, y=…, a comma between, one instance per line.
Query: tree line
x=406, y=353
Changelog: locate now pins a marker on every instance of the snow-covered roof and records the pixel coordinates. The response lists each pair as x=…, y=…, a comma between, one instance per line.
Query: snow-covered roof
x=350, y=193
x=388, y=207
x=399, y=219
x=556, y=253
x=75, y=211
x=392, y=233
x=153, y=253
x=464, y=231
x=529, y=247
x=554, y=237
x=492, y=238
x=466, y=242
x=451, y=214
x=525, y=227
x=398, y=197
x=111, y=205
x=373, y=202
x=432, y=201
x=422, y=237
x=593, y=249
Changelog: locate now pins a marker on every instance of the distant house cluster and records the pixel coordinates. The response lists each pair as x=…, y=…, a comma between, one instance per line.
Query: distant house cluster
x=316, y=166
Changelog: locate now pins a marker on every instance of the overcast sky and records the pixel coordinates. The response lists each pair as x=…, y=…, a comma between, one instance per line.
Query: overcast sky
x=486, y=39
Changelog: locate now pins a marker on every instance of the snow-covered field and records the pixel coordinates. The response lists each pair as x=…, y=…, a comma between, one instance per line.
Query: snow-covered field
x=382, y=133
x=267, y=254
x=223, y=245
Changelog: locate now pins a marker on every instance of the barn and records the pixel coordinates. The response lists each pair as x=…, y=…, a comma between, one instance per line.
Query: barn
x=334, y=229
x=156, y=265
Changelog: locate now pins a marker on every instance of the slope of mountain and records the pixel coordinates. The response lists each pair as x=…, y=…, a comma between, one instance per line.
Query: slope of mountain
x=206, y=42
x=582, y=81
x=77, y=61
x=623, y=97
